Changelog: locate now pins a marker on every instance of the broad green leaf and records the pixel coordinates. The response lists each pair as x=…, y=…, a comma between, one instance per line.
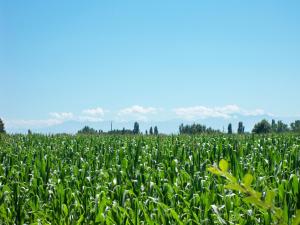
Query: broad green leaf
x=270, y=195
x=124, y=163
x=247, y=180
x=257, y=202
x=214, y=170
x=223, y=164
x=235, y=187
x=65, y=209
x=296, y=219
x=79, y=222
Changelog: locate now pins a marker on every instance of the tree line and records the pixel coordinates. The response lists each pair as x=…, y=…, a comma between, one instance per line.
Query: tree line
x=264, y=127
x=261, y=127
x=135, y=130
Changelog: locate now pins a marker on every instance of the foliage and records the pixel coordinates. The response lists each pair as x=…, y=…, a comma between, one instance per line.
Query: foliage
x=136, y=128
x=229, y=128
x=196, y=129
x=264, y=203
x=262, y=127
x=279, y=127
x=241, y=128
x=88, y=130
x=2, y=128
x=295, y=126
x=136, y=179
x=123, y=131
x=155, y=130
x=151, y=131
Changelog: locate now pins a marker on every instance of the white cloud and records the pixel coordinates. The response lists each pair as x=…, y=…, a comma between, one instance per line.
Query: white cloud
x=96, y=112
x=255, y=112
x=89, y=119
x=136, y=112
x=33, y=123
x=62, y=115
x=56, y=118
x=226, y=112
x=136, y=109
x=92, y=115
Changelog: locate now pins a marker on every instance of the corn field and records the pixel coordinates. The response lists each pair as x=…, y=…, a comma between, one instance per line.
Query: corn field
x=104, y=179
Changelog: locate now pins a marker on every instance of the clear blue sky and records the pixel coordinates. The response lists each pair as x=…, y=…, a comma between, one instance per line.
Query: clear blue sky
x=69, y=56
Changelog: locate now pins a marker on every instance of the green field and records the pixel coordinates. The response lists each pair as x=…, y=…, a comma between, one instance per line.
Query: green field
x=143, y=179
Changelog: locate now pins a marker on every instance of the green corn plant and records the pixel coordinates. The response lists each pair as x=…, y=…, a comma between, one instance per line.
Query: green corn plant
x=123, y=179
x=252, y=196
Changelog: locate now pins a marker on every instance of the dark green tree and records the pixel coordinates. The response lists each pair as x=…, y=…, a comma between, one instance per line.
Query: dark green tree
x=295, y=126
x=230, y=128
x=281, y=127
x=262, y=127
x=274, y=126
x=136, y=128
x=146, y=132
x=196, y=129
x=151, y=131
x=87, y=130
x=155, y=130
x=241, y=128
x=2, y=128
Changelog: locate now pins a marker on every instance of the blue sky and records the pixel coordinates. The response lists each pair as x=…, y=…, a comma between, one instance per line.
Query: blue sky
x=150, y=61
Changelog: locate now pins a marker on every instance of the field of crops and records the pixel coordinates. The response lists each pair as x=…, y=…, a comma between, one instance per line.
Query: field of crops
x=143, y=179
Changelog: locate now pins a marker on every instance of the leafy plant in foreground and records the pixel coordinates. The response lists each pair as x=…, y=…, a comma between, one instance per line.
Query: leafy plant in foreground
x=263, y=203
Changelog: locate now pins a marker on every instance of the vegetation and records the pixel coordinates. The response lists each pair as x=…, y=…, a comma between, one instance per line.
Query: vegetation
x=196, y=129
x=136, y=179
x=241, y=128
x=123, y=131
x=151, y=131
x=229, y=128
x=264, y=204
x=2, y=129
x=280, y=127
x=155, y=130
x=136, y=128
x=296, y=126
x=89, y=130
x=262, y=127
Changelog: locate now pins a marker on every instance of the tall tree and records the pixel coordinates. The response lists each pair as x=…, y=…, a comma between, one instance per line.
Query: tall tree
x=230, y=128
x=241, y=128
x=295, y=126
x=146, y=132
x=87, y=130
x=262, y=127
x=274, y=126
x=196, y=129
x=155, y=130
x=136, y=128
x=2, y=128
x=151, y=131
x=281, y=127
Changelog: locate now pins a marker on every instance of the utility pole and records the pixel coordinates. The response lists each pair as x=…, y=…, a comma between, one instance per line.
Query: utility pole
x=111, y=125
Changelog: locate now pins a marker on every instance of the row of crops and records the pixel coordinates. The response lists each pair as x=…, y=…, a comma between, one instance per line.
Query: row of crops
x=143, y=179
